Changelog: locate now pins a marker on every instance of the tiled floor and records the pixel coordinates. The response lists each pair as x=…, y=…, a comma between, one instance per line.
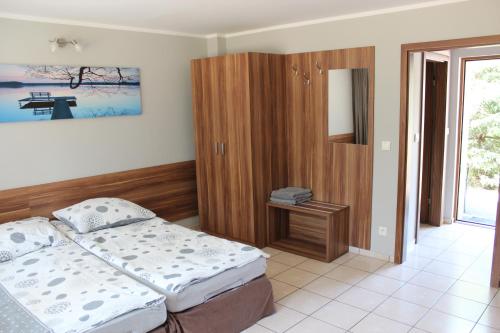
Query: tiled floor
x=442, y=287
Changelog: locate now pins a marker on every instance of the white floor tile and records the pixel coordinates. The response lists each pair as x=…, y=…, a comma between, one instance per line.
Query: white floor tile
x=344, y=258
x=445, y=269
x=381, y=284
x=416, y=262
x=347, y=274
x=402, y=311
x=304, y=301
x=282, y=320
x=438, y=322
x=472, y=291
x=271, y=251
x=478, y=275
x=274, y=268
x=496, y=300
x=340, y=315
x=314, y=326
x=491, y=317
x=317, y=267
x=418, y=295
x=376, y=324
x=434, y=242
x=361, y=298
x=281, y=289
x=460, y=307
x=416, y=330
x=432, y=281
x=398, y=272
x=327, y=287
x=296, y=277
x=484, y=329
x=257, y=329
x=425, y=252
x=288, y=259
x=456, y=258
x=364, y=263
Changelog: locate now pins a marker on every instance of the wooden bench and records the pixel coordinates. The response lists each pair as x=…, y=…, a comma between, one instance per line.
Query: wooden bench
x=316, y=230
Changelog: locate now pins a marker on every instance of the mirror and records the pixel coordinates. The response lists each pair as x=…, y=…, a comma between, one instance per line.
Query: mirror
x=348, y=105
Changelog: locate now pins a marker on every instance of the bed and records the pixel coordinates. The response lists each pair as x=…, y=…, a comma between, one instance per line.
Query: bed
x=210, y=283
x=55, y=289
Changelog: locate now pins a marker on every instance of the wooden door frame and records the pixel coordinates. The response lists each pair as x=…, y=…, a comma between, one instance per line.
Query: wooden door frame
x=460, y=116
x=403, y=120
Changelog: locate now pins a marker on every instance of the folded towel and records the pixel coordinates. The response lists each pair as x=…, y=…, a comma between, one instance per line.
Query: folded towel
x=289, y=202
x=286, y=197
x=290, y=192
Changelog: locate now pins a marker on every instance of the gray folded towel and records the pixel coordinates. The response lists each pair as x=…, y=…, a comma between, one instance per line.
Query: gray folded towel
x=287, y=197
x=291, y=193
x=289, y=201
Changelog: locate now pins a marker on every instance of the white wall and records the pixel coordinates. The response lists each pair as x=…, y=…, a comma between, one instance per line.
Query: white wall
x=386, y=33
x=454, y=98
x=40, y=152
x=340, y=108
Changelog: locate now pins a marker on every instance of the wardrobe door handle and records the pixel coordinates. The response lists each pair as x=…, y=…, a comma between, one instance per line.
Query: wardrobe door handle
x=216, y=148
x=222, y=148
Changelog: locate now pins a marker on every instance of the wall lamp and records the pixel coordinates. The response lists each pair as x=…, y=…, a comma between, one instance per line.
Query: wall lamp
x=61, y=42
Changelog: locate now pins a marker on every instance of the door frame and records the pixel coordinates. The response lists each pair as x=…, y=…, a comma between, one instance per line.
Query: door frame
x=403, y=124
x=458, y=152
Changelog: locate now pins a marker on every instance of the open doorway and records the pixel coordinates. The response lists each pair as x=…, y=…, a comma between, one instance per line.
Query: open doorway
x=479, y=143
x=436, y=206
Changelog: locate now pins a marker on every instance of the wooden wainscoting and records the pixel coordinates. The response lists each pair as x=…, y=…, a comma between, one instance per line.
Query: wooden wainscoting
x=169, y=190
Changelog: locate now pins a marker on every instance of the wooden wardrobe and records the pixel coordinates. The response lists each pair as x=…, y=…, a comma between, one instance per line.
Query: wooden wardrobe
x=238, y=109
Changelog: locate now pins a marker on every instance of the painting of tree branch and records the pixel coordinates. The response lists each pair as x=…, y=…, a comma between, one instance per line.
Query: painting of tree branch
x=35, y=92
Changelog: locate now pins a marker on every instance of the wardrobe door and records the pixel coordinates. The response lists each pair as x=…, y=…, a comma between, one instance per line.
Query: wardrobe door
x=298, y=78
x=237, y=152
x=208, y=111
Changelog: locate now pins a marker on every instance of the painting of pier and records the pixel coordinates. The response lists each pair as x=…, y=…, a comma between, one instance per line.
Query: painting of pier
x=31, y=93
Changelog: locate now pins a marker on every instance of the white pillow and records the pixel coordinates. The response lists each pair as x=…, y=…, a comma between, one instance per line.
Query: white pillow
x=101, y=213
x=24, y=236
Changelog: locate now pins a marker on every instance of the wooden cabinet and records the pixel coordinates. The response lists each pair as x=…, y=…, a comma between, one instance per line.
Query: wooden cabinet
x=239, y=122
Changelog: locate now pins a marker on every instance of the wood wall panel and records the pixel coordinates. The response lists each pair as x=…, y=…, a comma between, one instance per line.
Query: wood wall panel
x=169, y=190
x=336, y=172
x=299, y=120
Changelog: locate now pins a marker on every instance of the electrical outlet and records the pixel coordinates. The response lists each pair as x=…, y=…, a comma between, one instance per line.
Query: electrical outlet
x=382, y=231
x=386, y=145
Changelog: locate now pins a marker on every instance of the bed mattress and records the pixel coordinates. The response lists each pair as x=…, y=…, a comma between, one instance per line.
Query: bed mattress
x=188, y=267
x=67, y=289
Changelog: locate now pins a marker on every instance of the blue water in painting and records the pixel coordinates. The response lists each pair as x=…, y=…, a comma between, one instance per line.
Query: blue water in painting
x=92, y=102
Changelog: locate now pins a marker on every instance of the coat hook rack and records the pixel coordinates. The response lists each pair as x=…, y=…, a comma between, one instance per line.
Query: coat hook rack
x=307, y=80
x=320, y=69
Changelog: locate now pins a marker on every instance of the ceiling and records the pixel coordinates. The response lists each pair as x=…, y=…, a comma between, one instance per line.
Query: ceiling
x=196, y=17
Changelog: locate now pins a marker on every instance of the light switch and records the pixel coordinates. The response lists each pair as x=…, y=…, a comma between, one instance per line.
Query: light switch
x=386, y=145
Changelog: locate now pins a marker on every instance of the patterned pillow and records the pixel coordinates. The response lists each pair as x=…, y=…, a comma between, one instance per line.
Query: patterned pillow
x=20, y=237
x=101, y=213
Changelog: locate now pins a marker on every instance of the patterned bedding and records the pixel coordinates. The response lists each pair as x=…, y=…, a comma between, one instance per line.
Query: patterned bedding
x=66, y=289
x=167, y=256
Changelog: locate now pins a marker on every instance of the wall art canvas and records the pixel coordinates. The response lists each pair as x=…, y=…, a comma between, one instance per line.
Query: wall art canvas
x=35, y=92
